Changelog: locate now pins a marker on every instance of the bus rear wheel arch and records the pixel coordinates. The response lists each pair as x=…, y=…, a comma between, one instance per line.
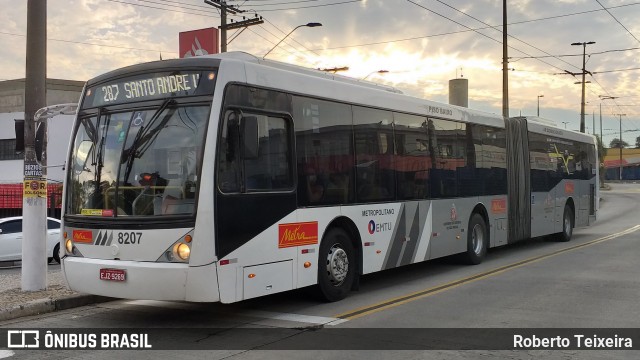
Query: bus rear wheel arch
x=337, y=265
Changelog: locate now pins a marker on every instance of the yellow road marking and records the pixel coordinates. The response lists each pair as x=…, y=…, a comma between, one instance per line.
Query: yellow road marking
x=387, y=304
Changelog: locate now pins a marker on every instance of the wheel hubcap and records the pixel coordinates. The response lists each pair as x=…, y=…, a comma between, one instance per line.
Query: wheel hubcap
x=477, y=239
x=337, y=265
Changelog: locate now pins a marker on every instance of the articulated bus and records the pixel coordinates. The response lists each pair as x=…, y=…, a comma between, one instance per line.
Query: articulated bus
x=228, y=177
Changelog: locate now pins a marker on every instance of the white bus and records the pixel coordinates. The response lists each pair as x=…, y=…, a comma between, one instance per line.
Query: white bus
x=228, y=177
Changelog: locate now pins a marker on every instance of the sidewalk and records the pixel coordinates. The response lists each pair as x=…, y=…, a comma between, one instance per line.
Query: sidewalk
x=16, y=303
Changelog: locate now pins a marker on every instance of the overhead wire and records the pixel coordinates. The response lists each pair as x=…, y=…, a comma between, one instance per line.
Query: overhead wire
x=311, y=6
x=462, y=12
x=618, y=21
x=509, y=35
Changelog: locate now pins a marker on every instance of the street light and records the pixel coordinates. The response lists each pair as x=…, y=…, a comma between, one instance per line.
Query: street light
x=565, y=124
x=539, y=96
x=313, y=24
x=620, y=143
x=374, y=72
x=604, y=97
x=584, y=50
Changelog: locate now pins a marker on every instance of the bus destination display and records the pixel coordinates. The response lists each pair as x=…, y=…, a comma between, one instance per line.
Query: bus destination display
x=150, y=87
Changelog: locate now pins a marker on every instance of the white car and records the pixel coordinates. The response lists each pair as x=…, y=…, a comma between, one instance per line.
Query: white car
x=11, y=239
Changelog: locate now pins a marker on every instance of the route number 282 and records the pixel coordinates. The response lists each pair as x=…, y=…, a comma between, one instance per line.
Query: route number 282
x=129, y=237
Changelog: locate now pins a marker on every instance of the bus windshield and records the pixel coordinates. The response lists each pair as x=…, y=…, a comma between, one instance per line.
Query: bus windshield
x=137, y=163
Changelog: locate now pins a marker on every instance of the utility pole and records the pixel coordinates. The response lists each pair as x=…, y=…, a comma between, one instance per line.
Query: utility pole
x=584, y=52
x=505, y=63
x=539, y=96
x=601, y=124
x=620, y=143
x=231, y=9
x=223, y=26
x=34, y=197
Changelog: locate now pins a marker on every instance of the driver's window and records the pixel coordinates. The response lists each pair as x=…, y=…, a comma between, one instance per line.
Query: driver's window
x=268, y=167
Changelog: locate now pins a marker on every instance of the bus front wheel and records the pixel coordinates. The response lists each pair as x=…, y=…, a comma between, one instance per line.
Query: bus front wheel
x=477, y=239
x=336, y=265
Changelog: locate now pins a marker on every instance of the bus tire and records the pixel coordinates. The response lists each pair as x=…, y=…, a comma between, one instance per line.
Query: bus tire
x=56, y=253
x=477, y=240
x=336, y=266
x=567, y=225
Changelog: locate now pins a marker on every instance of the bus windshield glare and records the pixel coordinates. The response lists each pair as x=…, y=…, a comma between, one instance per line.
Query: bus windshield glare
x=141, y=162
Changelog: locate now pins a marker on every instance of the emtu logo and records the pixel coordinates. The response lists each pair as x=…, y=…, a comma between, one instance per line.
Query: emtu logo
x=379, y=227
x=372, y=227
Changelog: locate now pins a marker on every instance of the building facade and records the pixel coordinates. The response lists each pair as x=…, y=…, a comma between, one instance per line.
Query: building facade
x=12, y=106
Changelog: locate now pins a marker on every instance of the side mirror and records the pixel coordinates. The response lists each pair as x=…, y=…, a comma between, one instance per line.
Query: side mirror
x=250, y=137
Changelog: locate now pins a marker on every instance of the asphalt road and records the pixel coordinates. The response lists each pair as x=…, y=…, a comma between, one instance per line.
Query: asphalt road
x=590, y=282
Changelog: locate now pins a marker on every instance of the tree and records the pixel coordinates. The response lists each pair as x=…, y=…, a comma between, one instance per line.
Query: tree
x=615, y=144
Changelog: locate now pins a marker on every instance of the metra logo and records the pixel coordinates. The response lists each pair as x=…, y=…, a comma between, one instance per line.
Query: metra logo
x=499, y=206
x=380, y=227
x=83, y=236
x=296, y=234
x=569, y=188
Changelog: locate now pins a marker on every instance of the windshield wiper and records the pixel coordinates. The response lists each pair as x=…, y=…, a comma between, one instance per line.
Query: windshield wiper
x=132, y=152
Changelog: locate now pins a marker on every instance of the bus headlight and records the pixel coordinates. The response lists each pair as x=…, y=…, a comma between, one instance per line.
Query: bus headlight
x=183, y=251
x=70, y=248
x=179, y=251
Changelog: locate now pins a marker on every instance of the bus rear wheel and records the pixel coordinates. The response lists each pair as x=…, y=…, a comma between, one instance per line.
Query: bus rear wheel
x=477, y=240
x=567, y=225
x=336, y=266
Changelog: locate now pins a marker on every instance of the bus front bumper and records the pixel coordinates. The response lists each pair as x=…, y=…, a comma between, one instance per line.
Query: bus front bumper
x=143, y=280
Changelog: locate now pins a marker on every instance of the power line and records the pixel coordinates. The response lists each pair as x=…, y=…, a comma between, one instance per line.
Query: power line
x=290, y=38
x=273, y=43
x=310, y=6
x=280, y=3
x=160, y=8
x=487, y=36
x=245, y=1
x=616, y=70
x=94, y=44
x=614, y=18
x=185, y=4
x=495, y=28
x=469, y=29
x=572, y=55
x=353, y=45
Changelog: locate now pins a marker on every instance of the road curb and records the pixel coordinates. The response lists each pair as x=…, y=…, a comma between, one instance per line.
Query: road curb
x=43, y=306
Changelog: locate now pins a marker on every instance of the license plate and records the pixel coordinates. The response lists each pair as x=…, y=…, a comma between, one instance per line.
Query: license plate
x=113, y=275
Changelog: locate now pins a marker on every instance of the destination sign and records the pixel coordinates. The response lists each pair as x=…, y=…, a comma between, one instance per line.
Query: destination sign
x=150, y=87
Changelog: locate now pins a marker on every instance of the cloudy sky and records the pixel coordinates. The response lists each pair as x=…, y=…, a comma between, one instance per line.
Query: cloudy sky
x=422, y=43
